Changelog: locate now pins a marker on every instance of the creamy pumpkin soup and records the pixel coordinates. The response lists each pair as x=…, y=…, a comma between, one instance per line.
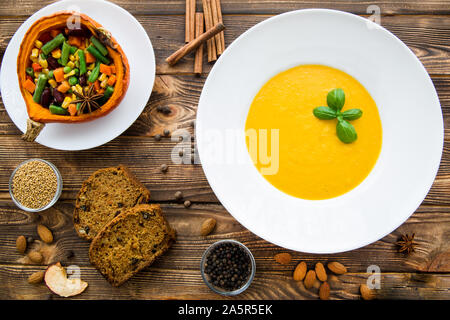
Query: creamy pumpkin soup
x=315, y=159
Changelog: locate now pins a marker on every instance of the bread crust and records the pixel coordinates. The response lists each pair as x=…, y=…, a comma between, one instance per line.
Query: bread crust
x=170, y=236
x=145, y=196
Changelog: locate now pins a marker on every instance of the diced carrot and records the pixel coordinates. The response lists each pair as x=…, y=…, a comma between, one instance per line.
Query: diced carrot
x=64, y=87
x=54, y=32
x=82, y=45
x=36, y=67
x=75, y=41
x=105, y=69
x=101, y=91
x=59, y=74
x=111, y=80
x=72, y=109
x=113, y=69
x=89, y=57
x=97, y=85
x=29, y=85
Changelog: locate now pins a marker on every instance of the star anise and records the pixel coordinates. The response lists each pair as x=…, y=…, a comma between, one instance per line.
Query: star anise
x=87, y=100
x=406, y=244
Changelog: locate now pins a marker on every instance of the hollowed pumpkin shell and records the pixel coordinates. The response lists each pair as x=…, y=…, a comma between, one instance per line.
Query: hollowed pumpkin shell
x=59, y=20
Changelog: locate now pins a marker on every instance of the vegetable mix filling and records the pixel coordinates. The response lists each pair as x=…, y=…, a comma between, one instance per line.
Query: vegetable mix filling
x=70, y=72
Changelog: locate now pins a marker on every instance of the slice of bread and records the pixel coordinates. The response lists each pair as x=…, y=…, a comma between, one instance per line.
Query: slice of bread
x=103, y=196
x=131, y=242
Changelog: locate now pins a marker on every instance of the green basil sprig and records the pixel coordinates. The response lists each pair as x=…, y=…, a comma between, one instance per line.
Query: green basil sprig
x=345, y=130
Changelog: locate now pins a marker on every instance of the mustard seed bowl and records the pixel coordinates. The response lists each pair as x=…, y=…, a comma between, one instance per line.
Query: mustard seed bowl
x=58, y=188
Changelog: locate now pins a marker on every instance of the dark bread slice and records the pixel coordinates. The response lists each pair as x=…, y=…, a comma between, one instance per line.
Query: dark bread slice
x=131, y=242
x=103, y=196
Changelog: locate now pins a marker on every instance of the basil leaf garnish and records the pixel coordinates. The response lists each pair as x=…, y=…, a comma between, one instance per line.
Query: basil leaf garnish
x=346, y=132
x=336, y=99
x=324, y=113
x=352, y=114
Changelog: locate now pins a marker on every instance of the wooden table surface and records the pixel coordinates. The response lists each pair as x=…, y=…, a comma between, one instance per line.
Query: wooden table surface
x=423, y=25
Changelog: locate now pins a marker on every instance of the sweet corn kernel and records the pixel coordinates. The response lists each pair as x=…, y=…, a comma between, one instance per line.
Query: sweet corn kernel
x=72, y=57
x=79, y=89
x=34, y=59
x=68, y=75
x=34, y=53
x=66, y=102
x=91, y=66
x=104, y=83
x=52, y=82
x=56, y=53
x=38, y=44
x=102, y=77
x=45, y=71
x=71, y=64
x=74, y=97
x=43, y=63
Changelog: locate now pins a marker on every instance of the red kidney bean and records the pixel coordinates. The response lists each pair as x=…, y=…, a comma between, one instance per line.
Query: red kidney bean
x=83, y=80
x=58, y=96
x=52, y=63
x=46, y=98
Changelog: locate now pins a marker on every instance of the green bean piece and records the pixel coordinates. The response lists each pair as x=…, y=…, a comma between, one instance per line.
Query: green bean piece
x=73, y=81
x=77, y=71
x=30, y=72
x=40, y=86
x=82, y=57
x=73, y=49
x=92, y=50
x=108, y=93
x=67, y=69
x=78, y=106
x=43, y=56
x=58, y=110
x=95, y=73
x=100, y=47
x=65, y=53
x=53, y=44
x=59, y=61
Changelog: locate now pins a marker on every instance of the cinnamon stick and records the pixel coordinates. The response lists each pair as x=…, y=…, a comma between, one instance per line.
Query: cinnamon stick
x=219, y=15
x=215, y=9
x=194, y=44
x=198, y=62
x=211, y=44
x=190, y=21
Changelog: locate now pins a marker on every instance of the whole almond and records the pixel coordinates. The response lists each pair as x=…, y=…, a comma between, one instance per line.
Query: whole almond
x=300, y=271
x=207, y=226
x=36, y=277
x=283, y=258
x=324, y=291
x=366, y=292
x=21, y=244
x=310, y=279
x=320, y=272
x=35, y=256
x=337, y=268
x=44, y=233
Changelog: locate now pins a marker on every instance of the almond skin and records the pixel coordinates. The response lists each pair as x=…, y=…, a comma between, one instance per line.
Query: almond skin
x=310, y=279
x=366, y=292
x=324, y=291
x=35, y=256
x=320, y=272
x=337, y=268
x=36, y=277
x=300, y=271
x=44, y=233
x=207, y=226
x=21, y=244
x=283, y=258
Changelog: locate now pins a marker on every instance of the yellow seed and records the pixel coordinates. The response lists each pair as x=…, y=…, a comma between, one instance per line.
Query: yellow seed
x=43, y=63
x=34, y=53
x=66, y=102
x=56, y=53
x=71, y=64
x=68, y=75
x=72, y=57
x=79, y=89
x=102, y=77
x=45, y=71
x=38, y=44
x=104, y=83
x=91, y=66
x=53, y=83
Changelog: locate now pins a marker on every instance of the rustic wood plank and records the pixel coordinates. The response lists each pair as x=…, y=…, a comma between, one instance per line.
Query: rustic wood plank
x=158, y=283
x=27, y=7
x=427, y=36
x=431, y=225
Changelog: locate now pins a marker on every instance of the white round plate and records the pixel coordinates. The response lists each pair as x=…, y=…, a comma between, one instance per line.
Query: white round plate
x=134, y=41
x=409, y=109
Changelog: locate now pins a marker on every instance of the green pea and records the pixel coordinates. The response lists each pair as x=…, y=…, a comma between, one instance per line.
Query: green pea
x=50, y=74
x=67, y=69
x=73, y=81
x=30, y=72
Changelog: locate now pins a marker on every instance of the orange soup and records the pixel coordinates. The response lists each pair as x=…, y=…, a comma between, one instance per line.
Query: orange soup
x=311, y=162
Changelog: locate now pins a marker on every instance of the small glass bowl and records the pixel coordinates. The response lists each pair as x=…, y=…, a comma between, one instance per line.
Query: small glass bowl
x=59, y=186
x=220, y=290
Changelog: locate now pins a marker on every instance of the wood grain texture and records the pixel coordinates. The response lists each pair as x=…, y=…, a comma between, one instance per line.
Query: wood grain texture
x=427, y=37
x=28, y=7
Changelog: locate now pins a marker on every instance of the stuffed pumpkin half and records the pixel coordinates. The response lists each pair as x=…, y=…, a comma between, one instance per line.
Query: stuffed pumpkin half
x=70, y=70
